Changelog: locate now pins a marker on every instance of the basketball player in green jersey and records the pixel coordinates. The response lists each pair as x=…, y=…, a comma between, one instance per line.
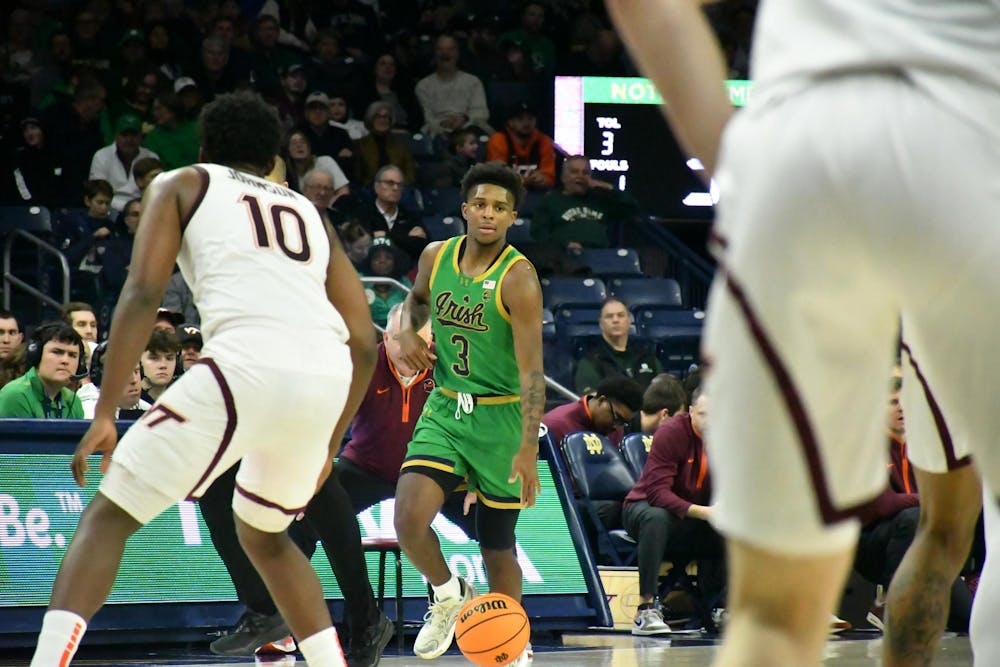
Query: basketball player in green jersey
x=481, y=422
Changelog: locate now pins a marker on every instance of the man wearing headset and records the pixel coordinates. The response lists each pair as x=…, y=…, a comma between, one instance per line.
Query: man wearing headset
x=131, y=405
x=53, y=357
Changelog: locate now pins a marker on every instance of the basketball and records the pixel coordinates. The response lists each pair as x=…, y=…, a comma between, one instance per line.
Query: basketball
x=492, y=630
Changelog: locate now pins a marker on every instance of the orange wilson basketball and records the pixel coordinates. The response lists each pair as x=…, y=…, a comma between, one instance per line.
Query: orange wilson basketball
x=492, y=630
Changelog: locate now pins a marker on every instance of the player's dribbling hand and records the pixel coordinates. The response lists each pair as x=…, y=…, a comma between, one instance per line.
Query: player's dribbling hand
x=414, y=350
x=525, y=468
x=102, y=436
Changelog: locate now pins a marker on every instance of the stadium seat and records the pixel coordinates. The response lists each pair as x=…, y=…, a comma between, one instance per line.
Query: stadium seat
x=577, y=328
x=420, y=145
x=557, y=292
x=638, y=293
x=443, y=227
x=532, y=199
x=444, y=201
x=599, y=472
x=635, y=449
x=677, y=334
x=36, y=219
x=519, y=232
x=548, y=325
x=608, y=262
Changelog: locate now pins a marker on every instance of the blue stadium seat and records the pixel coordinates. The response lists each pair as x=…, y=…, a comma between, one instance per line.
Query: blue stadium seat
x=548, y=325
x=443, y=227
x=532, y=199
x=420, y=145
x=577, y=328
x=558, y=292
x=635, y=449
x=444, y=201
x=36, y=219
x=519, y=232
x=640, y=293
x=558, y=362
x=677, y=334
x=606, y=262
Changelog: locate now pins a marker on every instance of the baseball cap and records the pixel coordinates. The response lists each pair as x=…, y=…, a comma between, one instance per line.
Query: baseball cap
x=190, y=333
x=520, y=107
x=128, y=123
x=133, y=35
x=176, y=319
x=184, y=82
x=317, y=99
x=292, y=69
x=30, y=120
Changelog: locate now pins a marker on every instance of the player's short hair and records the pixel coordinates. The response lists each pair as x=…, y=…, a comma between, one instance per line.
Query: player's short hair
x=97, y=186
x=493, y=173
x=622, y=389
x=163, y=341
x=144, y=165
x=665, y=391
x=239, y=128
x=67, y=309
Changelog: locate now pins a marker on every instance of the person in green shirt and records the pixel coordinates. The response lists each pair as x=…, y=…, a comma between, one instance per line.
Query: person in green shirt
x=614, y=354
x=175, y=139
x=54, y=356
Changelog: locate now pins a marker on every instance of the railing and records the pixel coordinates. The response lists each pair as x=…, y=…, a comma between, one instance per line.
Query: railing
x=10, y=280
x=378, y=280
x=689, y=269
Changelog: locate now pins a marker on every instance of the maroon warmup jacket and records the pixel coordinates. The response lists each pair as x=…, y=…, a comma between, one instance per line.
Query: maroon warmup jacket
x=676, y=473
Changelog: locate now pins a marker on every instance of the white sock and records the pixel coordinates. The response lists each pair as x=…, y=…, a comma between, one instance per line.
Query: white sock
x=60, y=636
x=323, y=649
x=449, y=590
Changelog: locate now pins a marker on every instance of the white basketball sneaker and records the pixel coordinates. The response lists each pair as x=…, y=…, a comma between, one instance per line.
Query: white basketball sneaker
x=439, y=623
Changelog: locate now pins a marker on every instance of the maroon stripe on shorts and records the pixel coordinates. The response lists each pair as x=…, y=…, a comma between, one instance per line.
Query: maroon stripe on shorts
x=947, y=444
x=249, y=495
x=227, y=436
x=796, y=409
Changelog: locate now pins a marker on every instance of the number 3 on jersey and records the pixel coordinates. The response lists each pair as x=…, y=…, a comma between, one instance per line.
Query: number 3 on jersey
x=462, y=367
x=277, y=214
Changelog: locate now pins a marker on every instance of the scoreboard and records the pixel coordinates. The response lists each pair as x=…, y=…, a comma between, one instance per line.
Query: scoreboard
x=617, y=123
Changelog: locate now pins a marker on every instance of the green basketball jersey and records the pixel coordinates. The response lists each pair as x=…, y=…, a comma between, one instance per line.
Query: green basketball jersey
x=472, y=333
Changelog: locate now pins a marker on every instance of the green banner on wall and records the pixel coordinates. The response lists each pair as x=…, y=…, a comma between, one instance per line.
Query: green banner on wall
x=635, y=90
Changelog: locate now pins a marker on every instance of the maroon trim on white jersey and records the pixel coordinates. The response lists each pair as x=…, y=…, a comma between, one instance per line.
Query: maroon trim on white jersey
x=227, y=436
x=197, y=200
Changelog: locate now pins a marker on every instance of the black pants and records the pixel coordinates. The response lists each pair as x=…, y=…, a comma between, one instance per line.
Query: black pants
x=881, y=547
x=661, y=535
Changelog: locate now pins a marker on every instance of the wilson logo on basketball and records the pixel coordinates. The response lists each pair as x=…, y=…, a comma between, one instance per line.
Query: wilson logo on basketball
x=484, y=607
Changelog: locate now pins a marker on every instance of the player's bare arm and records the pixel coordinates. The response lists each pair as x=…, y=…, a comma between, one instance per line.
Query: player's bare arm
x=673, y=44
x=345, y=292
x=416, y=312
x=522, y=295
x=167, y=201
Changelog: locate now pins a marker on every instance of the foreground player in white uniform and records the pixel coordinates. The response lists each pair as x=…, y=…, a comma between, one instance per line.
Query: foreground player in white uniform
x=857, y=186
x=262, y=267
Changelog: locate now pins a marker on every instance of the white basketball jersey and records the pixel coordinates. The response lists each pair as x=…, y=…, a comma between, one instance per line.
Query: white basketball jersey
x=255, y=255
x=949, y=47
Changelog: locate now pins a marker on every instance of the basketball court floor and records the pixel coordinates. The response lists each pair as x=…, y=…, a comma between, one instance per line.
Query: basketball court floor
x=576, y=650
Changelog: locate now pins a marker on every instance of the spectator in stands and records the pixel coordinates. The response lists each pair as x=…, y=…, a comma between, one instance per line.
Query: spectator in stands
x=11, y=348
x=113, y=163
x=74, y=131
x=602, y=56
x=159, y=363
x=216, y=75
x=91, y=47
x=269, y=58
x=482, y=55
x=539, y=49
x=385, y=216
x=318, y=187
x=53, y=356
x=131, y=405
x=355, y=22
x=380, y=147
x=231, y=30
x=522, y=146
x=664, y=397
x=581, y=213
x=449, y=97
x=340, y=116
x=614, y=354
x=80, y=236
x=169, y=55
x=668, y=511
x=388, y=85
x=136, y=99
x=889, y=525
x=189, y=336
x=168, y=320
x=178, y=299
x=117, y=256
x=331, y=68
x=82, y=317
x=56, y=72
x=385, y=261
x=145, y=170
x=606, y=412
x=357, y=241
x=175, y=137
x=325, y=138
x=463, y=154
x=34, y=174
x=190, y=97
x=300, y=159
x=290, y=97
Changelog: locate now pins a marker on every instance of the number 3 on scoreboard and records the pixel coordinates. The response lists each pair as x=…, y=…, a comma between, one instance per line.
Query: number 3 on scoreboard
x=262, y=236
x=462, y=367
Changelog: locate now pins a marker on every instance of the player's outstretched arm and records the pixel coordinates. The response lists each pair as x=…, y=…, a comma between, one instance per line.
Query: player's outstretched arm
x=416, y=311
x=673, y=45
x=345, y=292
x=522, y=295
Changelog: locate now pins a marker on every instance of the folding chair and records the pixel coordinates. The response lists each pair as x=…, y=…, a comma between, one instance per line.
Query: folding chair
x=635, y=449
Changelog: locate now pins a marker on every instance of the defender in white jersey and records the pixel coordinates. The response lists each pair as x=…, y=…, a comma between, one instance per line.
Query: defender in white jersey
x=266, y=274
x=857, y=187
